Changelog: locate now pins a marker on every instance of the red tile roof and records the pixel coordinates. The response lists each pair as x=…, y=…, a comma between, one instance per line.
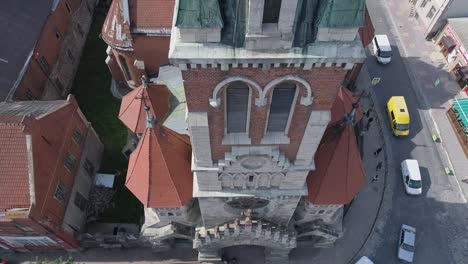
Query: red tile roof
x=152, y=14
x=132, y=109
x=339, y=174
x=159, y=172
x=14, y=178
x=116, y=28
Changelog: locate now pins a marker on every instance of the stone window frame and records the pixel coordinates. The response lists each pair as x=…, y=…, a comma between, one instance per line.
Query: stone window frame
x=240, y=137
x=69, y=162
x=125, y=68
x=77, y=136
x=80, y=201
x=215, y=101
x=307, y=100
x=60, y=193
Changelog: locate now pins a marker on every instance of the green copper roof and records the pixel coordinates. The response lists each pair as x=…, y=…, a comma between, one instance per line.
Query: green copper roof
x=341, y=14
x=235, y=21
x=199, y=14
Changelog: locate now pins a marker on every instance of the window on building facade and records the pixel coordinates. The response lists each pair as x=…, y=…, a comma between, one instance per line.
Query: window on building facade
x=80, y=201
x=424, y=3
x=271, y=11
x=70, y=162
x=89, y=167
x=170, y=214
x=32, y=241
x=24, y=228
x=431, y=12
x=237, y=105
x=57, y=34
x=67, y=5
x=44, y=64
x=280, y=107
x=60, y=192
x=77, y=136
x=124, y=66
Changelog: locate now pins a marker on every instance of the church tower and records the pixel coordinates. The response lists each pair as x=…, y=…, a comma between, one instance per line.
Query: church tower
x=261, y=78
x=246, y=136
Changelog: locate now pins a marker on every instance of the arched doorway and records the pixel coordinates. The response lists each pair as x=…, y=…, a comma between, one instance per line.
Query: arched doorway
x=245, y=254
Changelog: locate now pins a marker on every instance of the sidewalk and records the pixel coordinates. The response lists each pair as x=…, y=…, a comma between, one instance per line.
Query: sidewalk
x=434, y=87
x=360, y=220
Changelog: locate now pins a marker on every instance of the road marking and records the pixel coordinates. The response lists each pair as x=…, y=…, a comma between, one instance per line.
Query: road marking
x=437, y=82
x=5, y=61
x=376, y=80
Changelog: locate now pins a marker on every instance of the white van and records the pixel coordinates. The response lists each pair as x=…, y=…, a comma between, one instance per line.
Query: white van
x=411, y=177
x=382, y=48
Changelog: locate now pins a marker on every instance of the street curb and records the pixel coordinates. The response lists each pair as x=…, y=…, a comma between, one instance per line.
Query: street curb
x=422, y=99
x=388, y=158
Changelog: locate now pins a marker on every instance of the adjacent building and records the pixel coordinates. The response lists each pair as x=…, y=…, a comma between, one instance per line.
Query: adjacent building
x=246, y=135
x=41, y=46
x=453, y=43
x=433, y=14
x=49, y=155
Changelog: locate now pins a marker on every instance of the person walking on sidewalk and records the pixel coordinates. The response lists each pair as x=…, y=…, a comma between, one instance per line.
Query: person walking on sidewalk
x=377, y=152
x=376, y=178
x=379, y=166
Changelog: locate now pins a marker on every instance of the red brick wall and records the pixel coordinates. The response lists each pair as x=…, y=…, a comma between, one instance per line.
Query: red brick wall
x=200, y=83
x=50, y=148
x=152, y=50
x=47, y=46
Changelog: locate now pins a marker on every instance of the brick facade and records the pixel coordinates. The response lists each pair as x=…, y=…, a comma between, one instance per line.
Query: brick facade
x=50, y=148
x=200, y=83
x=56, y=55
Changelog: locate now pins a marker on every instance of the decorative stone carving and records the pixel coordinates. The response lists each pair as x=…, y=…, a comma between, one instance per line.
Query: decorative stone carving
x=251, y=180
x=248, y=203
x=253, y=162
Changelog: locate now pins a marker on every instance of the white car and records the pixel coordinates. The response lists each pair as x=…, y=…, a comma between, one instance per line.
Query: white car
x=406, y=243
x=382, y=49
x=411, y=176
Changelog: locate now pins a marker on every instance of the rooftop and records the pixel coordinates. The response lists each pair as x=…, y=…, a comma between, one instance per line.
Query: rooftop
x=21, y=23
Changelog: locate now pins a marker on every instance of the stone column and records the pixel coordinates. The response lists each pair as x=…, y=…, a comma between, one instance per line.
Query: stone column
x=255, y=16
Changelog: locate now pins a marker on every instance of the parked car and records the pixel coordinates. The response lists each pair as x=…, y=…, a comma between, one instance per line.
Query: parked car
x=406, y=243
x=398, y=115
x=382, y=49
x=364, y=260
x=411, y=176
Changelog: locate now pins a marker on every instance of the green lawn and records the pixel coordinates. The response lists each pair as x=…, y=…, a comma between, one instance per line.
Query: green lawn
x=92, y=90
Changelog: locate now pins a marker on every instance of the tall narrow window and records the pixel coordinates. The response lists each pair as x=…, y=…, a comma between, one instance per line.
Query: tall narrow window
x=125, y=69
x=237, y=104
x=280, y=108
x=271, y=11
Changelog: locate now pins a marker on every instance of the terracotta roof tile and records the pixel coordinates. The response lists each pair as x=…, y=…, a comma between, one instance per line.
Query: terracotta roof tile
x=339, y=174
x=152, y=14
x=132, y=109
x=14, y=179
x=159, y=172
x=116, y=27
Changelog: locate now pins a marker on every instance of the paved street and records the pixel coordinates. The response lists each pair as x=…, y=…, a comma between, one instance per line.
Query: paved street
x=440, y=214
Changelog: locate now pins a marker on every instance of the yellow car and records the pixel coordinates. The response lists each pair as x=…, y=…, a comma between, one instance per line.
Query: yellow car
x=398, y=115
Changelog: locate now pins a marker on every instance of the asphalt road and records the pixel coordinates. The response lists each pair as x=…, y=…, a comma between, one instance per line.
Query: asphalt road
x=438, y=214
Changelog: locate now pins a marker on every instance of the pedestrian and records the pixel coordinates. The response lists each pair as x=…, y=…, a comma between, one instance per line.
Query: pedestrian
x=376, y=177
x=379, y=166
x=368, y=113
x=377, y=152
x=367, y=126
x=370, y=120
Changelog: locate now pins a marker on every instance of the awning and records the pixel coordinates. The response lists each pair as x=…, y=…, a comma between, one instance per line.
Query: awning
x=463, y=72
x=461, y=105
x=448, y=42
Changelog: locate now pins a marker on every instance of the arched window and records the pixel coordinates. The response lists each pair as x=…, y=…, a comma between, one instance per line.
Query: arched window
x=237, y=106
x=281, y=107
x=126, y=71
